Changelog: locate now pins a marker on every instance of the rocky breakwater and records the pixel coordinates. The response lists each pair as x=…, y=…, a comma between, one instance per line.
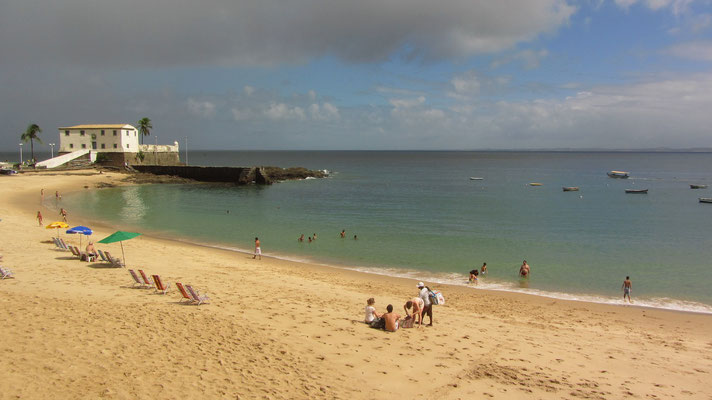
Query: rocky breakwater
x=236, y=175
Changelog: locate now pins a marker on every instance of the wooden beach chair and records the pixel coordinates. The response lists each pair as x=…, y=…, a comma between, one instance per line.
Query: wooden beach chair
x=183, y=293
x=75, y=251
x=146, y=282
x=197, y=297
x=5, y=273
x=103, y=257
x=59, y=244
x=160, y=287
x=65, y=246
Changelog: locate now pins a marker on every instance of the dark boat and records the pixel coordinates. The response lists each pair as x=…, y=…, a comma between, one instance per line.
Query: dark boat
x=698, y=186
x=638, y=191
x=570, y=188
x=705, y=199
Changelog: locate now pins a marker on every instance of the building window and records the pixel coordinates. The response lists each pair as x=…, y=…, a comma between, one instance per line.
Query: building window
x=115, y=145
x=127, y=145
x=81, y=133
x=71, y=145
x=66, y=133
x=84, y=146
x=114, y=133
x=127, y=133
x=103, y=145
x=102, y=132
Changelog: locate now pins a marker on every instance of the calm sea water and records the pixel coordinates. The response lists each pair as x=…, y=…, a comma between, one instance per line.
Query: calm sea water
x=418, y=214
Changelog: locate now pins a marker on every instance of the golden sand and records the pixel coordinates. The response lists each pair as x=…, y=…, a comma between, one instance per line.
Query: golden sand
x=278, y=329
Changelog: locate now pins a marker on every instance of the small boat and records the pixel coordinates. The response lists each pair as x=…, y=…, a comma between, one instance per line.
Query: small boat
x=705, y=199
x=571, y=188
x=638, y=191
x=475, y=178
x=698, y=186
x=618, y=174
x=535, y=184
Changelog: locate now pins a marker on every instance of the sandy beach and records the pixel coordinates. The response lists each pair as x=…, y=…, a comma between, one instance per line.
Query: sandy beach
x=279, y=329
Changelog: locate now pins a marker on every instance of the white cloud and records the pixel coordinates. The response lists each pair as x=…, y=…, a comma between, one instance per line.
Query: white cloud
x=325, y=112
x=241, y=114
x=466, y=84
x=677, y=7
x=692, y=50
x=248, y=90
x=529, y=58
x=204, y=109
x=281, y=111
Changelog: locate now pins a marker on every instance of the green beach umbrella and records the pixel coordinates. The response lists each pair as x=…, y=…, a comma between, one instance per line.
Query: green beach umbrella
x=119, y=236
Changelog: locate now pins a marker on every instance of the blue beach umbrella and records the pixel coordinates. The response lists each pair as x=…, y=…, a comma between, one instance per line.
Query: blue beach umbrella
x=80, y=230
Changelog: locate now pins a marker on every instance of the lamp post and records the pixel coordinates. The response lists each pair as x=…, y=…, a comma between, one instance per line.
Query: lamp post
x=20, y=153
x=51, y=146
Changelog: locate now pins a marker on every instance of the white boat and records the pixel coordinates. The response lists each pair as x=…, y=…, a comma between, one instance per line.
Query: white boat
x=618, y=174
x=475, y=178
x=705, y=199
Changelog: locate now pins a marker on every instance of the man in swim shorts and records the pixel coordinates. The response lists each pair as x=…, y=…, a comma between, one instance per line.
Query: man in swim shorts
x=627, y=286
x=424, y=294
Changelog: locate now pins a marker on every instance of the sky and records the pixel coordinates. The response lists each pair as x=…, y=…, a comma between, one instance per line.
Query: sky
x=363, y=75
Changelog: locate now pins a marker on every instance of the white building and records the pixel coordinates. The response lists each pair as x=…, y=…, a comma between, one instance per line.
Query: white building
x=110, y=138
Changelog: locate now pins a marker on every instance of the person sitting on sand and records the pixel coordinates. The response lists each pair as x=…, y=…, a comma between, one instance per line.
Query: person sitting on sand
x=391, y=319
x=417, y=304
x=524, y=269
x=372, y=317
x=483, y=269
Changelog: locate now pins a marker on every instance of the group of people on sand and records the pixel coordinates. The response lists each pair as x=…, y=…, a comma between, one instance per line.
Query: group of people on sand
x=416, y=309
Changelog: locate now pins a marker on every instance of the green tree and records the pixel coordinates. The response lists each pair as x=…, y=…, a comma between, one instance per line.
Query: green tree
x=31, y=135
x=144, y=127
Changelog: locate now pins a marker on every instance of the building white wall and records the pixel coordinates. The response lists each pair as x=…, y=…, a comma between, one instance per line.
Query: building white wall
x=102, y=138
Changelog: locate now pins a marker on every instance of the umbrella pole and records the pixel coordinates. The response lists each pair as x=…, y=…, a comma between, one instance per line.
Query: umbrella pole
x=122, y=252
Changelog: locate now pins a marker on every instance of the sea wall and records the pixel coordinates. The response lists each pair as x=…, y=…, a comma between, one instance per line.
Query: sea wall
x=237, y=175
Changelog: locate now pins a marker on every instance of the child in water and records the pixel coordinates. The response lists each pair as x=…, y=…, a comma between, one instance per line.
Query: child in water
x=473, y=276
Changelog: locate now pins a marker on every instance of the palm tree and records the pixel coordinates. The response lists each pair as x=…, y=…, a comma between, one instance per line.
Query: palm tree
x=144, y=127
x=31, y=135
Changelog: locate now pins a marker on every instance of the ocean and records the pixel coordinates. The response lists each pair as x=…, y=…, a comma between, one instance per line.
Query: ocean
x=418, y=214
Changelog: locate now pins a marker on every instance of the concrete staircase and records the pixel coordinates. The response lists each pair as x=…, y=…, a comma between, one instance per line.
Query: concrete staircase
x=67, y=158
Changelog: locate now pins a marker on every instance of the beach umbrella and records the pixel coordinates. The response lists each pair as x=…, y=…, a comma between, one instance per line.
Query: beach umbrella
x=57, y=225
x=80, y=230
x=119, y=236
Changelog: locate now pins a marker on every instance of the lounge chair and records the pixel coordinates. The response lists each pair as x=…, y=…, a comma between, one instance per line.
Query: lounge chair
x=5, y=273
x=59, y=244
x=64, y=244
x=137, y=281
x=160, y=287
x=183, y=293
x=146, y=282
x=114, y=260
x=197, y=297
x=75, y=251
x=103, y=257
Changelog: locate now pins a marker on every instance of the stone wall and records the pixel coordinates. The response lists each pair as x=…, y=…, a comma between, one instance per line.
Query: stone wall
x=237, y=175
x=118, y=159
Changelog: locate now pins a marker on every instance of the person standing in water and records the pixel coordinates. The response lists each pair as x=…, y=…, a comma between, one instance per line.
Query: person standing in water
x=524, y=269
x=258, y=250
x=627, y=287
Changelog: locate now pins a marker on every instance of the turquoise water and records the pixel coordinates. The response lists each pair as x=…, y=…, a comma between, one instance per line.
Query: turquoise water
x=418, y=214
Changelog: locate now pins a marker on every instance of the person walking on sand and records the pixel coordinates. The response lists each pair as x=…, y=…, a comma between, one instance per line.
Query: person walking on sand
x=424, y=294
x=39, y=217
x=57, y=197
x=63, y=213
x=42, y=195
x=627, y=287
x=258, y=251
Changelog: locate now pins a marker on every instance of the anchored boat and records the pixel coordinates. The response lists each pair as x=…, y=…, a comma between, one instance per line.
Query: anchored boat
x=618, y=174
x=705, y=199
x=698, y=186
x=571, y=188
x=637, y=191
